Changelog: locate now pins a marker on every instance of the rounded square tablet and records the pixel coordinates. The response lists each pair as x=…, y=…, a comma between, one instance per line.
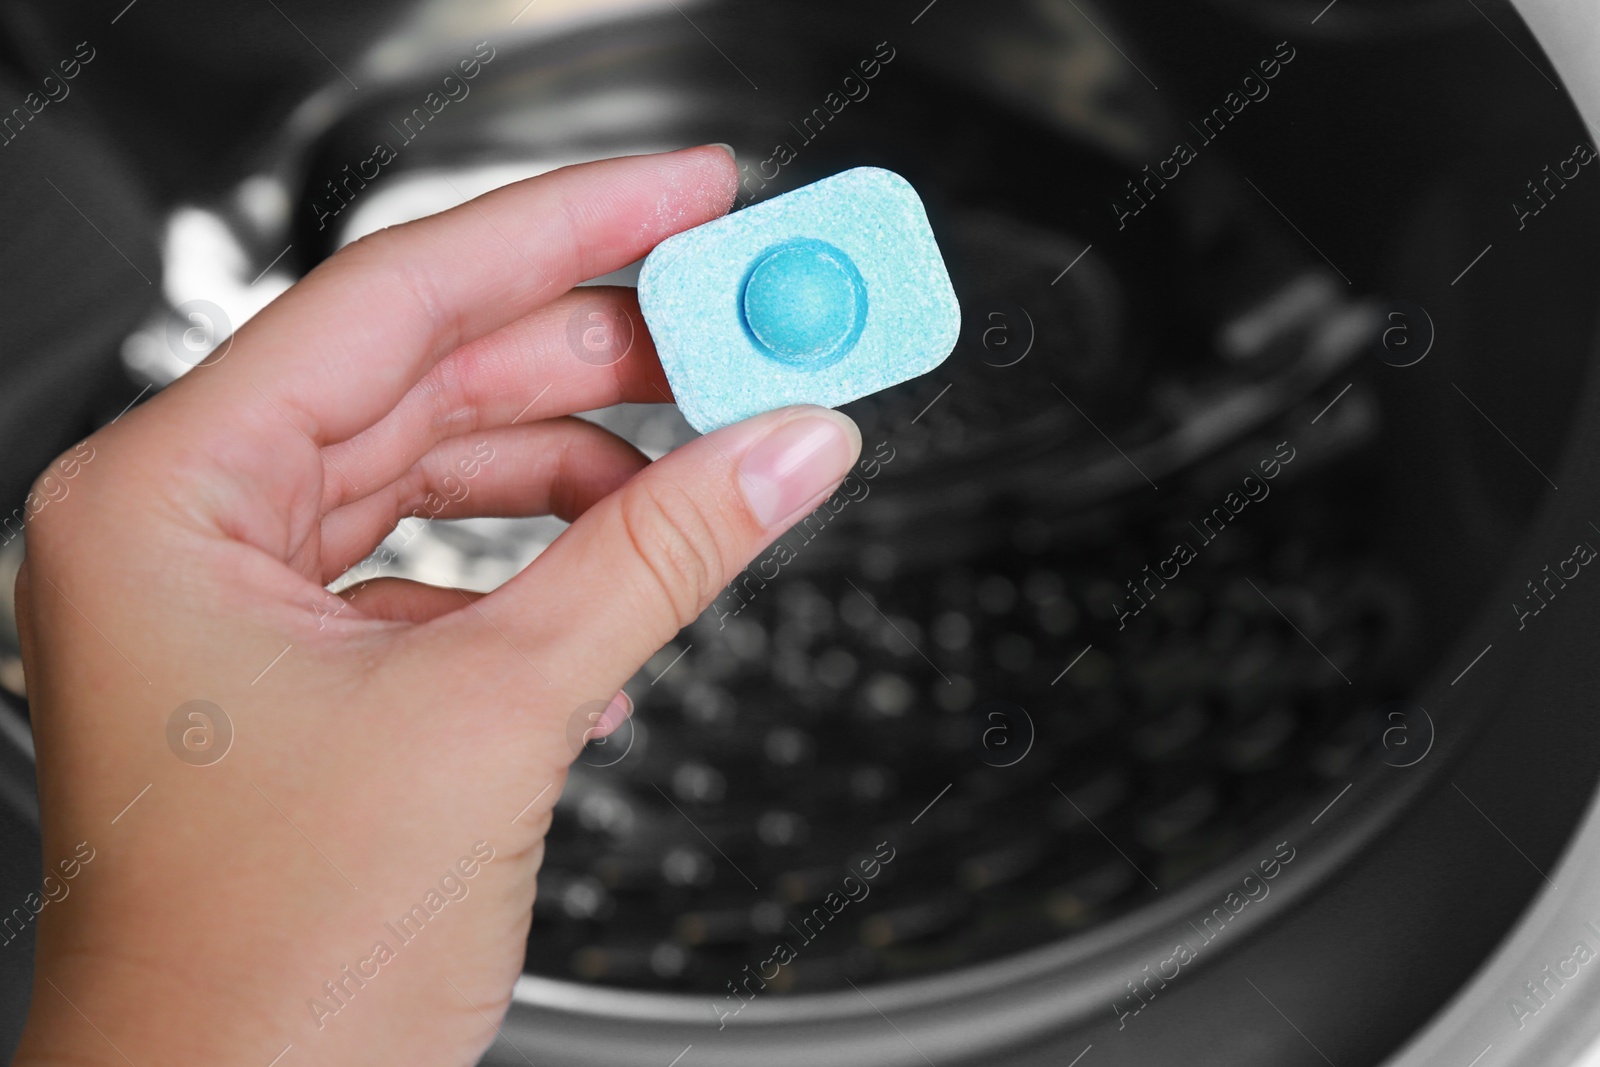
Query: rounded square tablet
x=820, y=296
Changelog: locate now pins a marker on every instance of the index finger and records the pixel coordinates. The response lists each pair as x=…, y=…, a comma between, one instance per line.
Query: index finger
x=339, y=350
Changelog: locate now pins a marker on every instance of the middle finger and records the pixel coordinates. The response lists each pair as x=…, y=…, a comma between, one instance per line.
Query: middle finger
x=588, y=349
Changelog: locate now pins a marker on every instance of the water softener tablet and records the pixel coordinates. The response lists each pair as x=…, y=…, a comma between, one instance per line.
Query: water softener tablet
x=820, y=296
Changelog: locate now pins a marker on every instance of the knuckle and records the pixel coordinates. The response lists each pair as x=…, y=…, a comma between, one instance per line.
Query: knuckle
x=677, y=541
x=368, y=252
x=386, y=261
x=40, y=514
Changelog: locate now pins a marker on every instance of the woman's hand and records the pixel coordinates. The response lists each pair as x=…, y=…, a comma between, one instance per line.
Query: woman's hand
x=351, y=882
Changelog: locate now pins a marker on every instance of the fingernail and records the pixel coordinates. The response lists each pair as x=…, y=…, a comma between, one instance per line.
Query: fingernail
x=797, y=461
x=615, y=714
x=728, y=148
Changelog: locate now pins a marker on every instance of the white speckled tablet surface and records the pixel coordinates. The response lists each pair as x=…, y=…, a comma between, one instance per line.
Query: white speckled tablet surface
x=852, y=297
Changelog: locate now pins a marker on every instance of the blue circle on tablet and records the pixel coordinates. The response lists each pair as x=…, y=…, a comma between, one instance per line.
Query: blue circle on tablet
x=804, y=303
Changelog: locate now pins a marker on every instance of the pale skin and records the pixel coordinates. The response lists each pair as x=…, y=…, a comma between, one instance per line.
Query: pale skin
x=408, y=724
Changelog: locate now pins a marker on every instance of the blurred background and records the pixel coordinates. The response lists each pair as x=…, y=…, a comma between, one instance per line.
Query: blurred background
x=1369, y=270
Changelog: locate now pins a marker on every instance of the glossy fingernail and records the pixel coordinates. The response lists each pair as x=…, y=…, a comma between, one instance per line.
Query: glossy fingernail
x=614, y=715
x=798, y=460
x=728, y=148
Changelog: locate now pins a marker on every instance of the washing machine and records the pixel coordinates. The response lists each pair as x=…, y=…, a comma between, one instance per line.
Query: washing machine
x=1203, y=672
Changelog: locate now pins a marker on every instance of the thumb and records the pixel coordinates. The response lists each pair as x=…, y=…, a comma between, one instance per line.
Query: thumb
x=641, y=564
